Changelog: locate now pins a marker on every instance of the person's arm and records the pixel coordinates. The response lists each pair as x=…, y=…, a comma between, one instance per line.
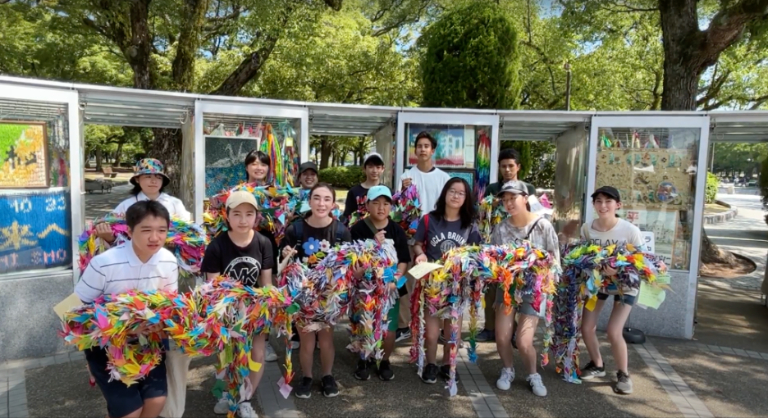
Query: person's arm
x=211, y=265
x=418, y=245
x=267, y=261
x=350, y=204
x=474, y=235
x=92, y=283
x=265, y=277
x=553, y=243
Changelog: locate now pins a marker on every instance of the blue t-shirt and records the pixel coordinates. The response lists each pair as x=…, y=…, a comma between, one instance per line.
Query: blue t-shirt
x=444, y=235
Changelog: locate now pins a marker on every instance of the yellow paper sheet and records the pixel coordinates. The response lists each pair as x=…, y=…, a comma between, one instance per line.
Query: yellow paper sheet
x=73, y=301
x=253, y=365
x=590, y=305
x=651, y=296
x=420, y=270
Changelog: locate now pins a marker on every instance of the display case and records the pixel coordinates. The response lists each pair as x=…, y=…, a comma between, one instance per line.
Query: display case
x=654, y=163
x=37, y=221
x=226, y=133
x=465, y=144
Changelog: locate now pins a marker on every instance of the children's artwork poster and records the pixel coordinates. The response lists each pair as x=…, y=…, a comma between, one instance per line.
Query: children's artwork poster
x=451, y=142
x=35, y=231
x=659, y=225
x=466, y=175
x=224, y=158
x=23, y=155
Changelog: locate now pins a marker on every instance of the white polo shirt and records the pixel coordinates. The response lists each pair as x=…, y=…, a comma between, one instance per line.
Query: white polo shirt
x=120, y=270
x=175, y=206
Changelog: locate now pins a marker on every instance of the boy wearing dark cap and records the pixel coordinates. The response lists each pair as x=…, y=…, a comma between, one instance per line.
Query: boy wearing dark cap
x=373, y=165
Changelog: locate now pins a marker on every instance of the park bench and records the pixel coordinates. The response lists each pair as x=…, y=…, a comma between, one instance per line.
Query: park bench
x=108, y=173
x=101, y=185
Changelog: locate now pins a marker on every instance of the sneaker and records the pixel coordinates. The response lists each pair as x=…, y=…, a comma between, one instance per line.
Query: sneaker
x=362, y=370
x=445, y=372
x=221, y=407
x=385, y=371
x=402, y=334
x=486, y=335
x=295, y=342
x=624, y=383
x=245, y=410
x=330, y=388
x=429, y=375
x=304, y=389
x=506, y=378
x=590, y=371
x=537, y=386
x=269, y=353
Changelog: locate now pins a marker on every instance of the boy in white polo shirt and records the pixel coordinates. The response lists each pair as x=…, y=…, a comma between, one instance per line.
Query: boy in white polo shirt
x=141, y=264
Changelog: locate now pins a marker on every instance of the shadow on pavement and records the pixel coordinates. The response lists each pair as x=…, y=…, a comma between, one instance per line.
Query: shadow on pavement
x=731, y=318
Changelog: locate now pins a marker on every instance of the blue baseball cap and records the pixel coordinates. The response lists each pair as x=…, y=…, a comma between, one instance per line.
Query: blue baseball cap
x=378, y=191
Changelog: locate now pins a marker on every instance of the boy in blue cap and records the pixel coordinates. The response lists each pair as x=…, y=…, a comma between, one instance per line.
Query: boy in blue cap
x=378, y=226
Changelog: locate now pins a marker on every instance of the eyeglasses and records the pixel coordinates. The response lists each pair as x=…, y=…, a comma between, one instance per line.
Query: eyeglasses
x=456, y=193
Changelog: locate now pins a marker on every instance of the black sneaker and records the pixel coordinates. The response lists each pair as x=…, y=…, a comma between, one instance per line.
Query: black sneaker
x=590, y=371
x=304, y=389
x=385, y=371
x=362, y=370
x=486, y=335
x=429, y=375
x=445, y=372
x=330, y=388
x=402, y=334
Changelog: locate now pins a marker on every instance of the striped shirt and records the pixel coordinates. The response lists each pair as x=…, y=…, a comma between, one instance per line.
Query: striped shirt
x=120, y=270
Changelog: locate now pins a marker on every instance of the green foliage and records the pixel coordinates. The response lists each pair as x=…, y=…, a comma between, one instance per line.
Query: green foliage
x=542, y=173
x=732, y=159
x=471, y=59
x=343, y=177
x=712, y=184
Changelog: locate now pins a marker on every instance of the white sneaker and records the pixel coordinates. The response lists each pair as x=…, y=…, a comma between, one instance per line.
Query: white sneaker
x=222, y=407
x=537, y=386
x=269, y=354
x=507, y=376
x=245, y=410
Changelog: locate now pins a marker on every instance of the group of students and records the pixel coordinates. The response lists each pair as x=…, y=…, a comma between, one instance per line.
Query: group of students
x=448, y=221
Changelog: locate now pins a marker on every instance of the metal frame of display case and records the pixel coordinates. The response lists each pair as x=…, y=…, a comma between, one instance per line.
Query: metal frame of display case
x=76, y=178
x=204, y=107
x=445, y=117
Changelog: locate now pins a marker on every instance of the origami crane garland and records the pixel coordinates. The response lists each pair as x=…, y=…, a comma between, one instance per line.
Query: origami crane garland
x=185, y=239
x=581, y=280
x=490, y=213
x=521, y=271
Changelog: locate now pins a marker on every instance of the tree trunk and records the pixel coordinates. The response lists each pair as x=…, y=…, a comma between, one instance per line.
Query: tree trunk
x=118, y=153
x=139, y=52
x=99, y=155
x=325, y=152
x=167, y=148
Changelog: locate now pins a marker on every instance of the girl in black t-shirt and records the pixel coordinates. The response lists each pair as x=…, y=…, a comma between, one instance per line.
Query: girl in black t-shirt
x=244, y=255
x=309, y=239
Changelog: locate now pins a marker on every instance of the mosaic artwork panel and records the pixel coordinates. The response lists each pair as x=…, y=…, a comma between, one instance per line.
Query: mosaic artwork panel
x=23, y=155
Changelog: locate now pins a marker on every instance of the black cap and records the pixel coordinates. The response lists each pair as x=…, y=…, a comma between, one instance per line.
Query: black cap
x=608, y=191
x=309, y=165
x=514, y=187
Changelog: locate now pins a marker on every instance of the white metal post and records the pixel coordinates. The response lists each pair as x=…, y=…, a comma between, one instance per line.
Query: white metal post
x=199, y=159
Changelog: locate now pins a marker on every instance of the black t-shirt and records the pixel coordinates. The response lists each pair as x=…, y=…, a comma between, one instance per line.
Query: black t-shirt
x=394, y=232
x=315, y=242
x=242, y=264
x=355, y=198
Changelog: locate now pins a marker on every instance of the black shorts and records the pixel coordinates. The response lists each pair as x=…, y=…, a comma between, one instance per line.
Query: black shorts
x=626, y=299
x=122, y=399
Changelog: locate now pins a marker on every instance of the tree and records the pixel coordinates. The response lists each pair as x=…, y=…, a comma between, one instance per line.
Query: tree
x=689, y=51
x=471, y=59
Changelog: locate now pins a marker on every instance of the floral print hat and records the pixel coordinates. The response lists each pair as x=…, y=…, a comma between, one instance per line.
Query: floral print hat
x=149, y=166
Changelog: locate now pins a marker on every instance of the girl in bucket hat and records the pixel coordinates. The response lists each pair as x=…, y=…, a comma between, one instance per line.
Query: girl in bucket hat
x=148, y=184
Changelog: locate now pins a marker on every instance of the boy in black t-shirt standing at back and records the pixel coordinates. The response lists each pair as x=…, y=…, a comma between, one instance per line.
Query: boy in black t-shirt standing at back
x=378, y=226
x=373, y=165
x=244, y=255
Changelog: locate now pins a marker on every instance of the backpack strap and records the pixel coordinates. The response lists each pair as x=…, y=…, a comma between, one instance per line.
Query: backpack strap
x=298, y=228
x=530, y=231
x=339, y=232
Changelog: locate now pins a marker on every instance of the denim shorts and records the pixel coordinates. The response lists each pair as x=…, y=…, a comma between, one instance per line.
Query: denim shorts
x=122, y=399
x=625, y=299
x=526, y=308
